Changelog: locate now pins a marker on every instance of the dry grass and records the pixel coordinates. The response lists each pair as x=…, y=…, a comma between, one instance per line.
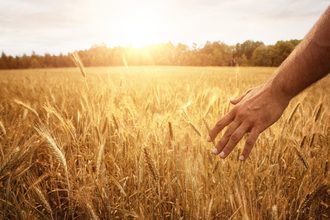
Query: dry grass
x=129, y=143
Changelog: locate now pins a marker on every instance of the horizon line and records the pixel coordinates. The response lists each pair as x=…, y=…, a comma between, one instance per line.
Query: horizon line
x=131, y=46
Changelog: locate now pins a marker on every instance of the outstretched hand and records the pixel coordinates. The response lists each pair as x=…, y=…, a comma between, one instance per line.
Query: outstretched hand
x=253, y=112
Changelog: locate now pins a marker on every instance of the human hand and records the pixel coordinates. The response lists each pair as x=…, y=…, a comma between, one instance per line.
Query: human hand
x=253, y=112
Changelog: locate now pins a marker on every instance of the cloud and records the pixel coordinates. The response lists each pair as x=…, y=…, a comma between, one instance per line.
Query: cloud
x=62, y=25
x=38, y=14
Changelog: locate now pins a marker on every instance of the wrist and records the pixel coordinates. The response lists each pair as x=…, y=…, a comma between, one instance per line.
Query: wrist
x=279, y=92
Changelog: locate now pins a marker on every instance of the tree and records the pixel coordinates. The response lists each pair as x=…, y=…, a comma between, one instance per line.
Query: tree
x=246, y=48
x=243, y=61
x=282, y=50
x=34, y=63
x=215, y=54
x=3, y=61
x=263, y=56
x=211, y=54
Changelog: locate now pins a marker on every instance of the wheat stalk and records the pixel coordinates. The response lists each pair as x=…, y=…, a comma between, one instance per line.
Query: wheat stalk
x=208, y=130
x=302, y=159
x=151, y=164
x=77, y=61
x=99, y=157
x=326, y=168
x=121, y=189
x=66, y=124
x=115, y=121
x=105, y=125
x=15, y=159
x=92, y=212
x=42, y=198
x=195, y=129
x=170, y=129
x=302, y=143
x=304, y=207
x=293, y=112
x=2, y=127
x=318, y=111
x=28, y=107
x=54, y=148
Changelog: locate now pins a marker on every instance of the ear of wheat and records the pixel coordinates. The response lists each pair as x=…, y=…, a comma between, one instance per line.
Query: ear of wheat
x=99, y=157
x=77, y=61
x=15, y=159
x=54, y=148
x=318, y=111
x=28, y=107
x=293, y=112
x=195, y=129
x=170, y=129
x=302, y=159
x=42, y=198
x=151, y=164
x=2, y=127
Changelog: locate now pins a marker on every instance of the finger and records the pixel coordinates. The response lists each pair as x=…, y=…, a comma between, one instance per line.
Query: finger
x=223, y=122
x=251, y=140
x=234, y=139
x=238, y=99
x=225, y=138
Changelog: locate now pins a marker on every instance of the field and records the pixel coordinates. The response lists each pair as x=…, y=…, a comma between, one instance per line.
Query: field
x=129, y=142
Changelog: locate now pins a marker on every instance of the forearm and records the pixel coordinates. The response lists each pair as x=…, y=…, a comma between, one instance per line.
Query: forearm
x=309, y=62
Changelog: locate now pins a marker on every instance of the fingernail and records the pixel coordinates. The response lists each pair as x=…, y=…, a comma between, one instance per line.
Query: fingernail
x=222, y=154
x=214, y=151
x=241, y=158
x=208, y=138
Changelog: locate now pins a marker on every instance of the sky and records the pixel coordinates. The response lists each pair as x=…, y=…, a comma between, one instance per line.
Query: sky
x=62, y=26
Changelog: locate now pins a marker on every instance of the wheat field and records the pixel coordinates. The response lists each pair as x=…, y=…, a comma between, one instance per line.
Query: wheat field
x=129, y=142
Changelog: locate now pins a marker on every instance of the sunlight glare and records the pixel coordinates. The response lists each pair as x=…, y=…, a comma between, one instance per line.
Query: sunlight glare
x=138, y=24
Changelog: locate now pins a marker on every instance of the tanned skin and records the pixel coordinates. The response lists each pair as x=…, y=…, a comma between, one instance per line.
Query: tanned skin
x=262, y=106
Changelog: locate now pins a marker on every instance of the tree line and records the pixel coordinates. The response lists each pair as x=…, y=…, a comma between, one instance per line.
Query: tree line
x=248, y=53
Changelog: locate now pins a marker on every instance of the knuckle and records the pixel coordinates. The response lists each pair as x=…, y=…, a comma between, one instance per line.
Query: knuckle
x=227, y=135
x=257, y=129
x=250, y=121
x=249, y=143
x=234, y=110
x=219, y=123
x=234, y=138
x=222, y=143
x=240, y=115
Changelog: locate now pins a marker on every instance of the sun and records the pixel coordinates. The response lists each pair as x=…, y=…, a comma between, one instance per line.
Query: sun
x=138, y=24
x=139, y=32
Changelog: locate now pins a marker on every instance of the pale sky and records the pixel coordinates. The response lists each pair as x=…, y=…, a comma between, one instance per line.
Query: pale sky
x=55, y=26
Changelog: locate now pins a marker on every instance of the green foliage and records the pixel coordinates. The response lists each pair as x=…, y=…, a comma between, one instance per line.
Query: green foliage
x=246, y=49
x=248, y=53
x=243, y=61
x=263, y=56
x=273, y=55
